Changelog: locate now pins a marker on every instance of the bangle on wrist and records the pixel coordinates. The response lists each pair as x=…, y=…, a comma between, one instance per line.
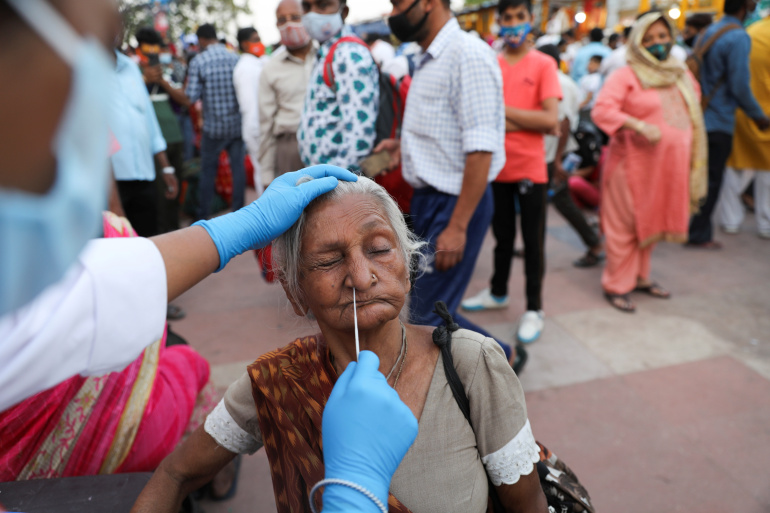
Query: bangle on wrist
x=168, y=170
x=355, y=486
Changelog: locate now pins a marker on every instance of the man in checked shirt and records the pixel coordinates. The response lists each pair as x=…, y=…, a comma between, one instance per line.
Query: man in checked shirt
x=211, y=79
x=451, y=148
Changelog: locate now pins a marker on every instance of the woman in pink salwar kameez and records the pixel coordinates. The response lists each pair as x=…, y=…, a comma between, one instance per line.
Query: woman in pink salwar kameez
x=655, y=174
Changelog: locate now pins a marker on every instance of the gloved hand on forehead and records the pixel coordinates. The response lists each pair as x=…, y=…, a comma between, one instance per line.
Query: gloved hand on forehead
x=279, y=207
x=367, y=431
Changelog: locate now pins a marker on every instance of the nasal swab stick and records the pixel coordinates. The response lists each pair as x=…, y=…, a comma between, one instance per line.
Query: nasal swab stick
x=355, y=322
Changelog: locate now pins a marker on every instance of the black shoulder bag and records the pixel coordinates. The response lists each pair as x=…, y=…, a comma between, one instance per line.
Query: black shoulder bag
x=562, y=489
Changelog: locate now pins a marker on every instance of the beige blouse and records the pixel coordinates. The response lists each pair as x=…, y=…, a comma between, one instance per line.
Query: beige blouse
x=446, y=467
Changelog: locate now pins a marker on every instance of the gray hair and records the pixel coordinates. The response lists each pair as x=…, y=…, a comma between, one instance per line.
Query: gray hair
x=287, y=259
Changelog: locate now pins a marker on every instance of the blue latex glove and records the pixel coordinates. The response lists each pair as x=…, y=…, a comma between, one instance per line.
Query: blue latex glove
x=279, y=207
x=367, y=431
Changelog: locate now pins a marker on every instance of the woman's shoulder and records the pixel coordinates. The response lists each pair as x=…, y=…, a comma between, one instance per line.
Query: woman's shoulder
x=301, y=357
x=301, y=346
x=470, y=349
x=624, y=73
x=472, y=342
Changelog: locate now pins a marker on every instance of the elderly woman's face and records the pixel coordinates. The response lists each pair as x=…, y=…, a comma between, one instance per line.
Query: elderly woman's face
x=350, y=243
x=657, y=34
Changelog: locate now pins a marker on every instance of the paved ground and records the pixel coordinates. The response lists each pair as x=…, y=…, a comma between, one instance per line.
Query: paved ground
x=664, y=410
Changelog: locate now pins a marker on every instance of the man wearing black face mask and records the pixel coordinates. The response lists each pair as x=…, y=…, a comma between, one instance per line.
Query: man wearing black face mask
x=451, y=148
x=694, y=26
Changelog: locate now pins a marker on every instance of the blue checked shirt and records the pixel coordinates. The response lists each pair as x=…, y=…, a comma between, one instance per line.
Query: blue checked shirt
x=455, y=107
x=211, y=78
x=339, y=127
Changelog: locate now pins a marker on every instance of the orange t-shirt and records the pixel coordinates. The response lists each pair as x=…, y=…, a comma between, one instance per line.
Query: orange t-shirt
x=526, y=85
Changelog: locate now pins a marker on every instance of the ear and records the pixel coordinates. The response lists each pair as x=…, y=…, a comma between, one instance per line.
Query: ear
x=299, y=307
x=345, y=12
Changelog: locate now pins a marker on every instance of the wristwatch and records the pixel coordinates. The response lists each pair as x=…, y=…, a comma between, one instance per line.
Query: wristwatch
x=168, y=170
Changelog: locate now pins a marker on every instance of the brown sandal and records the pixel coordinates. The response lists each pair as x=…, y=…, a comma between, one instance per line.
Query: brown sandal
x=621, y=301
x=654, y=290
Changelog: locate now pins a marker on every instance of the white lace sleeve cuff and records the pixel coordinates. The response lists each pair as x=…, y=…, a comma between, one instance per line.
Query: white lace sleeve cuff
x=514, y=459
x=227, y=433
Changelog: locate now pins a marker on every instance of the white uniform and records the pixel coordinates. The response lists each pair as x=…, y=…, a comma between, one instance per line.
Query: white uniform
x=99, y=318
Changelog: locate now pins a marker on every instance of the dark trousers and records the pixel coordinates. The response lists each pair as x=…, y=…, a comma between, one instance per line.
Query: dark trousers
x=532, y=205
x=210, y=150
x=720, y=146
x=430, y=212
x=168, y=209
x=562, y=200
x=140, y=203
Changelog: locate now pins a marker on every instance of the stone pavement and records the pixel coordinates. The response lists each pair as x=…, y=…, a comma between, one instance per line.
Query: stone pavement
x=664, y=410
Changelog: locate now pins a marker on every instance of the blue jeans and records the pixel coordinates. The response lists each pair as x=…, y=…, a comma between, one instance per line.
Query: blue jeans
x=430, y=213
x=210, y=150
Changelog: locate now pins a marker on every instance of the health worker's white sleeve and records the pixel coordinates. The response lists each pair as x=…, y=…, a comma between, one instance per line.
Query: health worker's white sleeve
x=99, y=318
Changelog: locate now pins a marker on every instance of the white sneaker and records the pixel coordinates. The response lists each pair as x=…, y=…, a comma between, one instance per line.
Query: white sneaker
x=530, y=326
x=484, y=300
x=731, y=230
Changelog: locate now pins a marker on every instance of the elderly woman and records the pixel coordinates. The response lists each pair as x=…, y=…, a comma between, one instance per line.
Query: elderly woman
x=655, y=174
x=354, y=240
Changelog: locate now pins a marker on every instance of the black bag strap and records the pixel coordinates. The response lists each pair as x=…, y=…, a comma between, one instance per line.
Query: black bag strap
x=442, y=337
x=704, y=46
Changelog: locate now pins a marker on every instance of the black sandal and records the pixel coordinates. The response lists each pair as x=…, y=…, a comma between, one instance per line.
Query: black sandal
x=654, y=290
x=621, y=301
x=588, y=260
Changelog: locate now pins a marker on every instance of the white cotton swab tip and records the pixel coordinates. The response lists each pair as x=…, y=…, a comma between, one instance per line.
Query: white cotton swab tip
x=355, y=322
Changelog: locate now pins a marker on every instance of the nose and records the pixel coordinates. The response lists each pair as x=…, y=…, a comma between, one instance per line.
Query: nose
x=359, y=272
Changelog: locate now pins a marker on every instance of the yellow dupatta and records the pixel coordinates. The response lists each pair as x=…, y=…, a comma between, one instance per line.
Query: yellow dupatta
x=654, y=73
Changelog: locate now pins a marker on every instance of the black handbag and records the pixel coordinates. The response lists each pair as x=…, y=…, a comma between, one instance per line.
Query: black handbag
x=561, y=486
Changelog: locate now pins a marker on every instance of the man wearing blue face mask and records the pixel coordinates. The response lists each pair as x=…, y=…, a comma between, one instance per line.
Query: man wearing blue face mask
x=62, y=305
x=338, y=119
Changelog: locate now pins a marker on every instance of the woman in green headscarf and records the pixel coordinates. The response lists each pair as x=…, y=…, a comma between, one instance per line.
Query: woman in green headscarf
x=655, y=175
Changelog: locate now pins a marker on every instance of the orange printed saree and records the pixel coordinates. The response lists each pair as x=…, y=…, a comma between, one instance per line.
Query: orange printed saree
x=290, y=388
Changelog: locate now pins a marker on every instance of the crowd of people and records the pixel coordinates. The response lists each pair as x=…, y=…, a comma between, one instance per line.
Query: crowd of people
x=412, y=151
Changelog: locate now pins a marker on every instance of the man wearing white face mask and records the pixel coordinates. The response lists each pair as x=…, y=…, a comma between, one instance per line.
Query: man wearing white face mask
x=340, y=113
x=282, y=88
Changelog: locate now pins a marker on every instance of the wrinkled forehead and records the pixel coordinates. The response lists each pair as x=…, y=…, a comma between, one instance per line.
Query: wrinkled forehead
x=338, y=218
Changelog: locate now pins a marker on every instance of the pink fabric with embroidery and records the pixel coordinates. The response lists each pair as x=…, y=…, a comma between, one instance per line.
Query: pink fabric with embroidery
x=645, y=188
x=79, y=426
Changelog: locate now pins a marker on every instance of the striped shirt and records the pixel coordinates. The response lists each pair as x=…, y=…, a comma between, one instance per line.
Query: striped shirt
x=455, y=107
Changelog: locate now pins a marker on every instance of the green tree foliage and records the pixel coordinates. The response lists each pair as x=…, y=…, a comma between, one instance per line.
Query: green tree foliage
x=184, y=16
